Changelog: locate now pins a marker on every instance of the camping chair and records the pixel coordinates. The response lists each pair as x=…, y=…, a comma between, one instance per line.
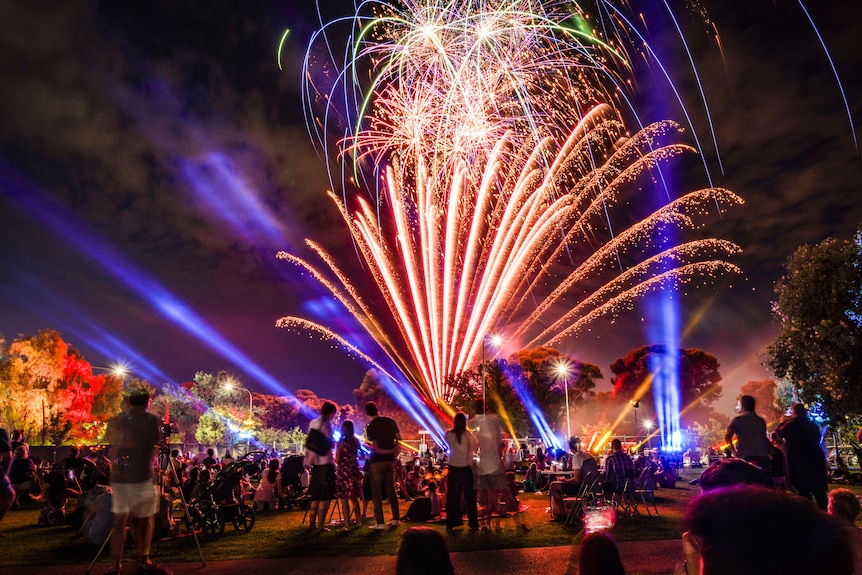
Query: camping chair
x=586, y=495
x=645, y=489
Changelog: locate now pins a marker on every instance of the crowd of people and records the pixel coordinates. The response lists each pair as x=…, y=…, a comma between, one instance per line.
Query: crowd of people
x=750, y=514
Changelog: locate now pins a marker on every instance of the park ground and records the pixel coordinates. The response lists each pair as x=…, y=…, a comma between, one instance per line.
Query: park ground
x=281, y=543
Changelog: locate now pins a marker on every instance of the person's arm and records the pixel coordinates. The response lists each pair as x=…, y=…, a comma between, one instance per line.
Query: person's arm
x=728, y=437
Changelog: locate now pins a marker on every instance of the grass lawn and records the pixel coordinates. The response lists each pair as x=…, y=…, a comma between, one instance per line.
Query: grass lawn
x=278, y=534
x=282, y=534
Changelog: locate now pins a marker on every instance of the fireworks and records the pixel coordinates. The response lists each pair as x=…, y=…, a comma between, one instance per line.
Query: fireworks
x=493, y=136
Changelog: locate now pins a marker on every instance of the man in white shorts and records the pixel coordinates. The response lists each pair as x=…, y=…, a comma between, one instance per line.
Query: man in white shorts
x=133, y=436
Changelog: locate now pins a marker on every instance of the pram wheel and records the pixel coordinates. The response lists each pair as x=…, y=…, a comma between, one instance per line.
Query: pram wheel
x=244, y=518
x=212, y=525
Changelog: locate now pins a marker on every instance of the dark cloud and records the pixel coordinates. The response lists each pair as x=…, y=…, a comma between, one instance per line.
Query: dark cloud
x=124, y=113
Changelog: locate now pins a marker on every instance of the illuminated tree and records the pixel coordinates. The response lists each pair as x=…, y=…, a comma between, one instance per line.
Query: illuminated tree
x=51, y=392
x=699, y=379
x=819, y=311
x=211, y=430
x=764, y=394
x=373, y=390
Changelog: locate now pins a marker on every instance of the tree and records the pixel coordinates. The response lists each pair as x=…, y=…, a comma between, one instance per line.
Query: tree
x=698, y=372
x=537, y=369
x=763, y=392
x=819, y=312
x=372, y=389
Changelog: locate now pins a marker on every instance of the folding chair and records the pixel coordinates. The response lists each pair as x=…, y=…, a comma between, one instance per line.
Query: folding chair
x=586, y=495
x=645, y=489
x=626, y=500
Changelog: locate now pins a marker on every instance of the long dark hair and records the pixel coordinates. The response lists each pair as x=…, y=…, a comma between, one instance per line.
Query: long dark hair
x=459, y=425
x=348, y=434
x=272, y=474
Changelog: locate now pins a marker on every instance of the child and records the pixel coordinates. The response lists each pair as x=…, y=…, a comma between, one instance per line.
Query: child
x=434, y=498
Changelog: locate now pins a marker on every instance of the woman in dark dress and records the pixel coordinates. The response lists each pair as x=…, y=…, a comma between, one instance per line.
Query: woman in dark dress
x=348, y=481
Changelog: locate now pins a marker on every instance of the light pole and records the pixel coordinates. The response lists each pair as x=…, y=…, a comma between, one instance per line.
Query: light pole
x=496, y=340
x=636, y=404
x=230, y=387
x=648, y=427
x=564, y=369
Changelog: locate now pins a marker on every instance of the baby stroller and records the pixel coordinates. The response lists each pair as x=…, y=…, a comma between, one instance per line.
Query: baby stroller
x=218, y=504
x=294, y=493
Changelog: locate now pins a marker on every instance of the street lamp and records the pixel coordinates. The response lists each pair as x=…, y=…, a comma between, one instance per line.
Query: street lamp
x=648, y=426
x=118, y=370
x=636, y=404
x=229, y=386
x=564, y=369
x=496, y=340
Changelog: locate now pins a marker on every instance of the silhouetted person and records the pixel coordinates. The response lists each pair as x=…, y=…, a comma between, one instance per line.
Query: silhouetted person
x=423, y=552
x=749, y=429
x=599, y=555
x=753, y=530
x=806, y=463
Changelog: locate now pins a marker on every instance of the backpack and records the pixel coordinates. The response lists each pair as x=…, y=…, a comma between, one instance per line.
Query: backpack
x=419, y=510
x=318, y=442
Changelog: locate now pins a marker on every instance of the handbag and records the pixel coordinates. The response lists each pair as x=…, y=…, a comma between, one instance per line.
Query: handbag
x=318, y=442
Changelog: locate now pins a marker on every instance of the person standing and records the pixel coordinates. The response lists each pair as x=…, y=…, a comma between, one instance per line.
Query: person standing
x=348, y=483
x=492, y=479
x=321, y=484
x=384, y=436
x=462, y=448
x=806, y=462
x=749, y=429
x=133, y=437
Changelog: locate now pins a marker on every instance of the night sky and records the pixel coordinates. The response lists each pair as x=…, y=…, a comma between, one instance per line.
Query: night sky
x=154, y=158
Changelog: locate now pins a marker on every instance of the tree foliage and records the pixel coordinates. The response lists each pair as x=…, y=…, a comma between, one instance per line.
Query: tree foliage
x=764, y=394
x=698, y=372
x=51, y=392
x=819, y=312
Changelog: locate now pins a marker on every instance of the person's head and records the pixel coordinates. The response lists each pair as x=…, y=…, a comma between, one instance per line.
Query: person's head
x=210, y=452
x=843, y=505
x=750, y=530
x=139, y=398
x=746, y=403
x=733, y=471
x=423, y=551
x=599, y=555
x=328, y=410
x=432, y=486
x=799, y=410
x=347, y=430
x=459, y=424
x=205, y=475
x=574, y=444
x=175, y=453
x=21, y=452
x=273, y=465
x=616, y=445
x=371, y=409
x=194, y=474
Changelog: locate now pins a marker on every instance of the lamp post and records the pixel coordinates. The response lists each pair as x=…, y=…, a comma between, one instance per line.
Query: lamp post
x=564, y=369
x=230, y=387
x=496, y=340
x=636, y=404
x=648, y=427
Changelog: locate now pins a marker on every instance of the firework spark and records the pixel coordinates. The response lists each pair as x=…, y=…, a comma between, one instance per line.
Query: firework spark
x=491, y=210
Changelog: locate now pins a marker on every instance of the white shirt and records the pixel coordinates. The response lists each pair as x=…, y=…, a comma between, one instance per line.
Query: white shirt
x=461, y=454
x=490, y=436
